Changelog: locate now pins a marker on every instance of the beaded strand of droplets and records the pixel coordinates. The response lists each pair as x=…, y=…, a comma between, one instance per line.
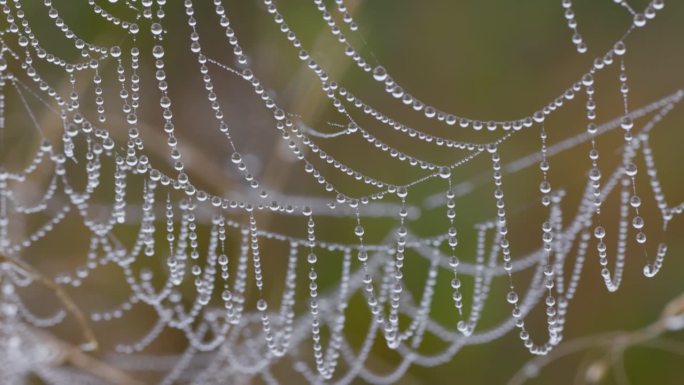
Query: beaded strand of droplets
x=381, y=75
x=569, y=14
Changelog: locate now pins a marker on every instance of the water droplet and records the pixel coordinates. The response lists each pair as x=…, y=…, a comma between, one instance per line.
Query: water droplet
x=158, y=52
x=595, y=174
x=380, y=74
x=545, y=187
x=630, y=169
x=639, y=20
x=638, y=222
x=115, y=51
x=156, y=29
x=262, y=305
x=236, y=158
x=223, y=260
x=599, y=232
x=641, y=237
x=512, y=297
x=445, y=172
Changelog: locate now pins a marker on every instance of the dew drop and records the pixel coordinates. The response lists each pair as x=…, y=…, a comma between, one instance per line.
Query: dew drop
x=512, y=297
x=156, y=29
x=545, y=187
x=641, y=238
x=380, y=74
x=638, y=222
x=599, y=232
x=626, y=123
x=445, y=172
x=115, y=51
x=630, y=169
x=262, y=305
x=639, y=20
x=165, y=102
x=236, y=158
x=158, y=52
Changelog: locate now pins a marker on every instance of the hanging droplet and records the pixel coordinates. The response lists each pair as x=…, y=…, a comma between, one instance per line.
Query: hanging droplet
x=158, y=52
x=445, y=172
x=115, y=51
x=638, y=222
x=641, y=238
x=165, y=102
x=380, y=74
x=262, y=305
x=236, y=157
x=630, y=169
x=512, y=297
x=223, y=260
x=639, y=20
x=545, y=187
x=544, y=165
x=599, y=232
x=595, y=174
x=454, y=262
x=156, y=29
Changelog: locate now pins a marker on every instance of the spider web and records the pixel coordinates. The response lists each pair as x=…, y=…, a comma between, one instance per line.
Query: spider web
x=199, y=258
